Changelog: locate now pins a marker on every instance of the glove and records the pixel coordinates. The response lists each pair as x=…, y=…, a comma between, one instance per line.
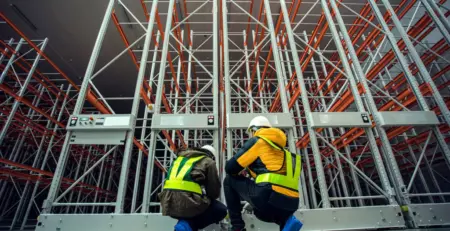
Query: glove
x=244, y=173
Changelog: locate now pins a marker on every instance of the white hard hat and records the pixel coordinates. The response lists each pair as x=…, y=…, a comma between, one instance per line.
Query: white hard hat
x=211, y=149
x=258, y=122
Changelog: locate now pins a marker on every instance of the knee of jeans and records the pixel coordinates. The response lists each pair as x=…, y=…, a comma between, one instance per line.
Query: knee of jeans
x=223, y=212
x=263, y=216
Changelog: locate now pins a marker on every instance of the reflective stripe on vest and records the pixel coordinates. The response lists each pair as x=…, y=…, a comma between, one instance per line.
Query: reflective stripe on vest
x=290, y=180
x=176, y=179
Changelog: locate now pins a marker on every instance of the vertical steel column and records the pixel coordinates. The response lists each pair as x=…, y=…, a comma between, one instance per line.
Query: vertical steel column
x=439, y=24
x=226, y=76
x=421, y=176
x=332, y=183
x=44, y=161
x=276, y=58
x=122, y=189
x=428, y=167
x=354, y=89
x=238, y=96
x=441, y=15
x=420, y=65
x=366, y=184
x=21, y=93
x=177, y=91
x=10, y=42
x=157, y=107
x=143, y=131
x=11, y=60
x=77, y=172
x=110, y=178
x=304, y=193
x=6, y=202
x=247, y=72
x=44, y=136
x=15, y=154
x=138, y=164
x=338, y=187
x=223, y=113
x=80, y=102
x=258, y=72
x=313, y=139
x=374, y=59
x=36, y=101
x=27, y=184
x=196, y=131
x=86, y=165
x=302, y=133
x=409, y=77
x=165, y=163
x=98, y=183
x=330, y=131
x=188, y=90
x=215, y=86
x=102, y=185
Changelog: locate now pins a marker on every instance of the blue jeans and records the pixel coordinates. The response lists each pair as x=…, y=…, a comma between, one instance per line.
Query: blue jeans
x=259, y=197
x=213, y=214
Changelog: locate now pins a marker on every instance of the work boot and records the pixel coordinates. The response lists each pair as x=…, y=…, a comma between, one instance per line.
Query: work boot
x=292, y=224
x=183, y=225
x=247, y=208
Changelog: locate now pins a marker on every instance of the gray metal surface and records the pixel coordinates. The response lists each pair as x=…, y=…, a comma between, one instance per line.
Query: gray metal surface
x=91, y=122
x=430, y=214
x=326, y=192
x=184, y=121
x=340, y=119
x=111, y=222
x=98, y=137
x=319, y=219
x=402, y=118
x=241, y=121
x=99, y=129
x=374, y=217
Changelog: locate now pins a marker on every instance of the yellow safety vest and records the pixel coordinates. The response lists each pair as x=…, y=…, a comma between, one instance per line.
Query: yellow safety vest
x=179, y=171
x=290, y=180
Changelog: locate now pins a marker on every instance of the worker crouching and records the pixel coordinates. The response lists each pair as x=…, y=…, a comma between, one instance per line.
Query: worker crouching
x=191, y=189
x=273, y=189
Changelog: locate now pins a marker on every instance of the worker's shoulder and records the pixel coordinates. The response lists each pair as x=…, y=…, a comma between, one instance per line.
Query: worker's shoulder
x=257, y=141
x=206, y=162
x=249, y=144
x=252, y=141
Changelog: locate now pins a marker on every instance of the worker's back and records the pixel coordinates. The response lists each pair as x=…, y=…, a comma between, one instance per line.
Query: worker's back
x=259, y=157
x=181, y=203
x=273, y=191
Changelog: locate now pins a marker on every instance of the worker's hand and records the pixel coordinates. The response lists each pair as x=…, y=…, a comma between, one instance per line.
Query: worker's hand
x=244, y=173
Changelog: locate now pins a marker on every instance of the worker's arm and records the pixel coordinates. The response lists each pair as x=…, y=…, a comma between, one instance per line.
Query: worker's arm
x=212, y=186
x=244, y=157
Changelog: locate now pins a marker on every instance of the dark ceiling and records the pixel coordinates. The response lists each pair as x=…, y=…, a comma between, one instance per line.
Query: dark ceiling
x=72, y=27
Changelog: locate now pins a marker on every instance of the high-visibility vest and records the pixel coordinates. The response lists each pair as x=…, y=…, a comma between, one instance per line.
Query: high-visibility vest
x=291, y=179
x=178, y=174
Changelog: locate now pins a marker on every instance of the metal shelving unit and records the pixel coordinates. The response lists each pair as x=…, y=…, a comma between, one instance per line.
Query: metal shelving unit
x=360, y=88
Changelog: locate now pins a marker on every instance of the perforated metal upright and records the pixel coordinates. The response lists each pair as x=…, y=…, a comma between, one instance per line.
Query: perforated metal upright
x=33, y=108
x=359, y=88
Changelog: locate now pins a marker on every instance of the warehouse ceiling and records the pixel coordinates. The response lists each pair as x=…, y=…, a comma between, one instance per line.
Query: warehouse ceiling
x=72, y=27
